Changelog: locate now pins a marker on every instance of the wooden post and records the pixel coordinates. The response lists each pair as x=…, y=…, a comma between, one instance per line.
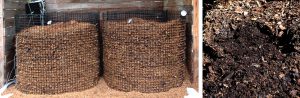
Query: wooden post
x=195, y=52
x=2, y=45
x=193, y=66
x=96, y=5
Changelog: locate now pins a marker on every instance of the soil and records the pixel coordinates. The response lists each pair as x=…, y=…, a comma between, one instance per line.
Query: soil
x=252, y=50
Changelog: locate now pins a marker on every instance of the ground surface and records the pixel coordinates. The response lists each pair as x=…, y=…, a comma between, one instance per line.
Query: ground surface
x=103, y=91
x=252, y=50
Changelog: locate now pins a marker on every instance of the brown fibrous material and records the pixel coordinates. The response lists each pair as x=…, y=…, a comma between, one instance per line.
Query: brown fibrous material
x=143, y=55
x=59, y=58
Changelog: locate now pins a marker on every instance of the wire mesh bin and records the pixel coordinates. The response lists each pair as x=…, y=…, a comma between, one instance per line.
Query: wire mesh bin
x=58, y=57
x=144, y=50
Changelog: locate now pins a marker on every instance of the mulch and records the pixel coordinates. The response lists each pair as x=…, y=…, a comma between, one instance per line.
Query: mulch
x=252, y=50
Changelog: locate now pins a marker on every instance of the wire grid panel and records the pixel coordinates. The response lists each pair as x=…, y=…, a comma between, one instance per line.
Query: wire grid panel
x=23, y=21
x=59, y=57
x=144, y=51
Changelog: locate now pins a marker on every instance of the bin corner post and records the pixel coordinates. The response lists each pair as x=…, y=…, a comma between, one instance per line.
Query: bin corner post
x=195, y=53
x=2, y=45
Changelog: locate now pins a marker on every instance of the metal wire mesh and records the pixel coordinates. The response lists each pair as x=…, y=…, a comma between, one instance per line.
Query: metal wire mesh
x=23, y=21
x=59, y=57
x=144, y=50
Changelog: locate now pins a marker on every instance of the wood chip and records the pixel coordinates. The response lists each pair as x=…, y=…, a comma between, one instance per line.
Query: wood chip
x=280, y=33
x=269, y=96
x=238, y=10
x=211, y=69
x=282, y=27
x=246, y=13
x=253, y=18
x=279, y=23
x=228, y=76
x=255, y=65
x=276, y=16
x=258, y=3
x=226, y=85
x=293, y=93
x=281, y=75
x=295, y=70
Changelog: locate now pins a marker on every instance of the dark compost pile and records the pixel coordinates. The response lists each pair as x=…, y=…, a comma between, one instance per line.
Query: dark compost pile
x=143, y=55
x=251, y=49
x=58, y=58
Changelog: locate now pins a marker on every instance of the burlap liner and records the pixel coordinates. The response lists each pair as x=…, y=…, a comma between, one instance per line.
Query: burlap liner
x=144, y=56
x=62, y=57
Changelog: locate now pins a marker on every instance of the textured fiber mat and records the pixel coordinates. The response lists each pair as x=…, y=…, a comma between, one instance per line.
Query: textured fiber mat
x=142, y=55
x=62, y=57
